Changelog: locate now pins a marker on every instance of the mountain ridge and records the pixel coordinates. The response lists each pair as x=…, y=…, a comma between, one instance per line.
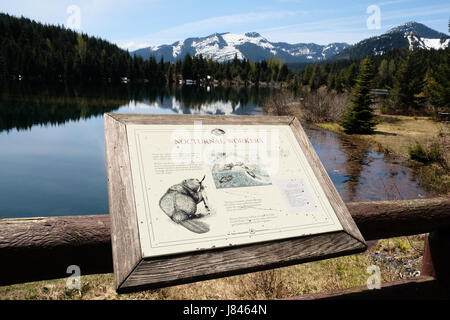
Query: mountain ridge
x=411, y=35
x=253, y=46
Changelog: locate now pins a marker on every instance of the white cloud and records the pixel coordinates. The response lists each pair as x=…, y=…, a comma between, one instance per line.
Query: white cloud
x=410, y=13
x=350, y=29
x=132, y=46
x=210, y=25
x=387, y=3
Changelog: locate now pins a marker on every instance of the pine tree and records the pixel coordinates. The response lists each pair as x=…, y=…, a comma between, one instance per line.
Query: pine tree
x=383, y=74
x=2, y=68
x=438, y=84
x=314, y=81
x=407, y=85
x=324, y=73
x=350, y=75
x=283, y=73
x=391, y=71
x=306, y=75
x=186, y=68
x=359, y=116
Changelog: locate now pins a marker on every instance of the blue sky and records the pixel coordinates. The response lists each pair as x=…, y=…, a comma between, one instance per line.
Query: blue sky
x=137, y=23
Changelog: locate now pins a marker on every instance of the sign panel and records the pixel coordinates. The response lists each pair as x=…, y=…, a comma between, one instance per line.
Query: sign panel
x=200, y=197
x=206, y=186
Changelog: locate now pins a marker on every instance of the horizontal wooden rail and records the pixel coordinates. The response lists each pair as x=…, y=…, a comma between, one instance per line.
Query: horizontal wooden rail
x=423, y=287
x=34, y=249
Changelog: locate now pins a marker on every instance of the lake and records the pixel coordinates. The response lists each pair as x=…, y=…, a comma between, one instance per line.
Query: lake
x=52, y=158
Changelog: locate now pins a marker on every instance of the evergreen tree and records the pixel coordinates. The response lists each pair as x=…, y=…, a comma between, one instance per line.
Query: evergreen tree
x=324, y=73
x=2, y=68
x=438, y=84
x=359, y=116
x=283, y=73
x=306, y=75
x=392, y=69
x=407, y=85
x=186, y=68
x=294, y=82
x=350, y=75
x=314, y=81
x=383, y=74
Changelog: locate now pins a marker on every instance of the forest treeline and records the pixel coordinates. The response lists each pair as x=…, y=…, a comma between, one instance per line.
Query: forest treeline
x=415, y=80
x=37, y=52
x=25, y=104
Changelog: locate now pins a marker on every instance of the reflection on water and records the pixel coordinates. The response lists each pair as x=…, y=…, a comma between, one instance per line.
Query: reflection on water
x=360, y=173
x=52, y=145
x=22, y=106
x=52, y=141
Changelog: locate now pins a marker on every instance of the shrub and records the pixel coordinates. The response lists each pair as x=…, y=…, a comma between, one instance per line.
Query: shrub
x=418, y=153
x=434, y=153
x=324, y=105
x=433, y=178
x=279, y=104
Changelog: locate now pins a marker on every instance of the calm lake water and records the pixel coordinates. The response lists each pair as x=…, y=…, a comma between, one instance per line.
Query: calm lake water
x=52, y=158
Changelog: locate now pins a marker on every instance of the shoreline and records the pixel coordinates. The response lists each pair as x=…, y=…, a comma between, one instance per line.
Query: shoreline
x=394, y=139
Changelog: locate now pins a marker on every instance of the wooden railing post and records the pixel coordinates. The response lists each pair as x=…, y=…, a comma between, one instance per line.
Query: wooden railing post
x=436, y=257
x=33, y=249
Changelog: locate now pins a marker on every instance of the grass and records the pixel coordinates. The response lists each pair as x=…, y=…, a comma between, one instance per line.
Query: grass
x=399, y=133
x=420, y=139
x=402, y=134
x=331, y=126
x=433, y=178
x=434, y=153
x=397, y=258
x=320, y=276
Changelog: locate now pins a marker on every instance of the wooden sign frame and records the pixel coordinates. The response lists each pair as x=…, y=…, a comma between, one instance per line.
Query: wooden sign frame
x=133, y=271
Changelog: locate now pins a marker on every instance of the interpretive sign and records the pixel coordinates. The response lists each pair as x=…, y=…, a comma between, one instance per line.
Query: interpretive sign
x=198, y=197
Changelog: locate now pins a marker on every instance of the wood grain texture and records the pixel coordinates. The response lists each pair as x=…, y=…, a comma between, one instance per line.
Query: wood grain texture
x=387, y=219
x=190, y=267
x=412, y=289
x=51, y=244
x=125, y=241
x=332, y=194
x=34, y=249
x=436, y=258
x=183, y=119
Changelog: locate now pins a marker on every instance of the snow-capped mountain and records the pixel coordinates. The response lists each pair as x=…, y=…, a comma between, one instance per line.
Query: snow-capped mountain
x=410, y=35
x=225, y=46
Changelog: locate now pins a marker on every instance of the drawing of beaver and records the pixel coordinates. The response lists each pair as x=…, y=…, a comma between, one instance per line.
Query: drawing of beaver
x=180, y=204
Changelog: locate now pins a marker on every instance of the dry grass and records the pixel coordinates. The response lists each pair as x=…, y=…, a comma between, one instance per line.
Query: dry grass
x=401, y=134
x=283, y=103
x=322, y=105
x=396, y=134
x=325, y=275
x=316, y=106
x=397, y=258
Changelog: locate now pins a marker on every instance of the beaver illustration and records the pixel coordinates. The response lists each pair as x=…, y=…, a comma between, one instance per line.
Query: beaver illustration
x=180, y=204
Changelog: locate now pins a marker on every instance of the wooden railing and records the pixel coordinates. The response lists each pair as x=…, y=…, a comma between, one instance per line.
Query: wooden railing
x=34, y=249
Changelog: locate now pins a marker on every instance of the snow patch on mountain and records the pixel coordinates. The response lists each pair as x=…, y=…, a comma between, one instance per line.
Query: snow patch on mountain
x=251, y=45
x=176, y=49
x=255, y=38
x=411, y=35
x=424, y=43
